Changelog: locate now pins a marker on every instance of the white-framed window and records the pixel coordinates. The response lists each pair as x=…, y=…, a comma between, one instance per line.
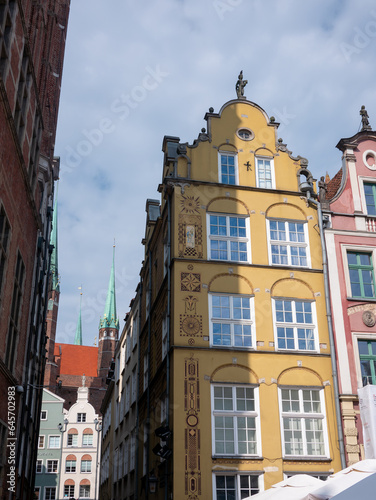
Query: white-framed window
x=70, y=465
x=146, y=370
x=231, y=318
x=236, y=486
x=235, y=420
x=295, y=324
x=303, y=422
x=84, y=490
x=50, y=493
x=164, y=335
x=52, y=466
x=54, y=441
x=359, y=262
x=43, y=415
x=265, y=172
x=87, y=439
x=228, y=168
x=288, y=243
x=68, y=490
x=229, y=237
x=85, y=465
x=39, y=466
x=41, y=442
x=81, y=417
x=72, y=440
x=37, y=493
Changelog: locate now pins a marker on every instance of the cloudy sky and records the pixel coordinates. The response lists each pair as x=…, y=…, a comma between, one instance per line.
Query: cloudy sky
x=136, y=71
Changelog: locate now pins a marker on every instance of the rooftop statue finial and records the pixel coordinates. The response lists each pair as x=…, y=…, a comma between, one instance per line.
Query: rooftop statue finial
x=365, y=121
x=240, y=84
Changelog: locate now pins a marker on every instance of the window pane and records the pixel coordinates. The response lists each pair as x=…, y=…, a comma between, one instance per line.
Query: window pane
x=315, y=437
x=293, y=436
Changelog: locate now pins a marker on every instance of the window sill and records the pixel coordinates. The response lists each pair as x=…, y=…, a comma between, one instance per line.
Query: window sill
x=237, y=457
x=306, y=458
x=362, y=299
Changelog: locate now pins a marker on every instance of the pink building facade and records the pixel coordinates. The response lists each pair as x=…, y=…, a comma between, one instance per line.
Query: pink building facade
x=349, y=210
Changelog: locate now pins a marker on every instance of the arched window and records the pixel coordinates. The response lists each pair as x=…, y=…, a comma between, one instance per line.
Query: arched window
x=86, y=463
x=72, y=439
x=87, y=437
x=84, y=489
x=69, y=488
x=70, y=463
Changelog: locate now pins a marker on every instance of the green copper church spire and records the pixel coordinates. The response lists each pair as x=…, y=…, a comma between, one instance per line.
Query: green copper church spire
x=53, y=241
x=110, y=319
x=78, y=337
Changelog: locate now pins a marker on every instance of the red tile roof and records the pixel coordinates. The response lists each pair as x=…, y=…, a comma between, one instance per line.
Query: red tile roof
x=77, y=359
x=334, y=185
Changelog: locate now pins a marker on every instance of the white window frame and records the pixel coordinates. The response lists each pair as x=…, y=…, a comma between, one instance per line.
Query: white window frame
x=294, y=325
x=232, y=321
x=263, y=158
x=74, y=444
x=84, y=438
x=41, y=441
x=45, y=412
x=70, y=486
x=303, y=417
x=227, y=238
x=84, y=488
x=359, y=249
x=236, y=168
x=237, y=481
x=70, y=471
x=356, y=336
x=40, y=463
x=235, y=414
x=81, y=418
x=128, y=344
x=289, y=244
x=48, y=463
x=49, y=442
x=86, y=466
x=52, y=489
x=37, y=490
x=365, y=180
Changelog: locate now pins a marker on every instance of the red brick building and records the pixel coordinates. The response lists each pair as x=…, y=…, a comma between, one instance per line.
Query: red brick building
x=32, y=44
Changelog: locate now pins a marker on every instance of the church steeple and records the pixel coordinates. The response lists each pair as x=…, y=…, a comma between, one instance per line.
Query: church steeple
x=53, y=240
x=108, y=327
x=110, y=319
x=78, y=337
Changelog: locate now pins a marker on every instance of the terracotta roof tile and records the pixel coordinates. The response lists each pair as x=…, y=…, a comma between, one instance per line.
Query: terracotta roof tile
x=334, y=185
x=77, y=359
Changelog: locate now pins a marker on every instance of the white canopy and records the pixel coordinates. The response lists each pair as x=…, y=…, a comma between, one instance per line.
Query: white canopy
x=356, y=481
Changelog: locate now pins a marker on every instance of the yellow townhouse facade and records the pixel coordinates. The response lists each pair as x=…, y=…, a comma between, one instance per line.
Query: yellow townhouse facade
x=234, y=389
